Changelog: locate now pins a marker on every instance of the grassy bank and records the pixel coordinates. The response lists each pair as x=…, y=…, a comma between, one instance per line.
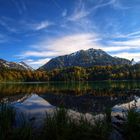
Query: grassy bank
x=60, y=126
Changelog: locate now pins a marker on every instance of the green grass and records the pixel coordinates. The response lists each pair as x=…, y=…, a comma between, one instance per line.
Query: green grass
x=7, y=115
x=8, y=131
x=60, y=126
x=131, y=128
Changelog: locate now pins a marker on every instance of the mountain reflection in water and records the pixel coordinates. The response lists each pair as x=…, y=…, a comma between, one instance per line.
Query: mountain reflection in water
x=33, y=108
x=92, y=97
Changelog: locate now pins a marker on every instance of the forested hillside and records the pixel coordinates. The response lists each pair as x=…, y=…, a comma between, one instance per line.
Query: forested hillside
x=124, y=72
x=22, y=75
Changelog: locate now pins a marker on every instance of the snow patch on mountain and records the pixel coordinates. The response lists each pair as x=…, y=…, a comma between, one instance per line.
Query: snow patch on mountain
x=14, y=65
x=25, y=65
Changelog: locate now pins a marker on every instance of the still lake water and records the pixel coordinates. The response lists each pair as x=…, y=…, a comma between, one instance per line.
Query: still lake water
x=86, y=97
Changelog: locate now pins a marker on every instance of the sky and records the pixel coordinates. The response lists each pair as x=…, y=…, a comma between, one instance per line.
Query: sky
x=34, y=31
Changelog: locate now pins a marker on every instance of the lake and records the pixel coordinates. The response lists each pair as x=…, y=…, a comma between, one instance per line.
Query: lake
x=85, y=97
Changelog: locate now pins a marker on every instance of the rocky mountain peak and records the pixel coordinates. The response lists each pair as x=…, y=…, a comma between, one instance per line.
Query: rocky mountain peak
x=84, y=58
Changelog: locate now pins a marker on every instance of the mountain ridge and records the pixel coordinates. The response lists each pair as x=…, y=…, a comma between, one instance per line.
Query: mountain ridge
x=84, y=58
x=4, y=64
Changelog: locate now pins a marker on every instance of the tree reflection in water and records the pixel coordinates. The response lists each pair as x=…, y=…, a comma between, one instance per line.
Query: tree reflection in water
x=82, y=96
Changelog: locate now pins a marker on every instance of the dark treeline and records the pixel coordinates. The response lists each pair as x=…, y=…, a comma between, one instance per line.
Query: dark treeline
x=125, y=72
x=22, y=76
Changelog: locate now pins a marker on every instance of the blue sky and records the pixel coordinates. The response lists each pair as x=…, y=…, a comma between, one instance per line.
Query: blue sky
x=34, y=31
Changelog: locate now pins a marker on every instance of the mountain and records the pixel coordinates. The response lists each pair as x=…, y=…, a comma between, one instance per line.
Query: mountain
x=23, y=64
x=13, y=65
x=84, y=58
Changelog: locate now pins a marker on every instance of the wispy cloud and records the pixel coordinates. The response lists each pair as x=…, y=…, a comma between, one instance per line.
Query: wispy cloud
x=49, y=48
x=57, y=5
x=129, y=55
x=6, y=25
x=115, y=49
x=35, y=25
x=128, y=36
x=36, y=63
x=60, y=46
x=23, y=26
x=82, y=10
x=128, y=47
x=20, y=6
x=131, y=43
x=63, y=45
x=117, y=4
x=38, y=53
x=42, y=25
x=79, y=27
x=4, y=39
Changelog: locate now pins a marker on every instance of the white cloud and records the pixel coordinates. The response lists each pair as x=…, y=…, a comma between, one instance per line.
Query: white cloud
x=49, y=48
x=42, y=25
x=34, y=25
x=124, y=47
x=36, y=63
x=78, y=15
x=82, y=10
x=22, y=26
x=63, y=45
x=131, y=43
x=71, y=43
x=118, y=48
x=59, y=46
x=39, y=53
x=132, y=35
x=129, y=56
x=39, y=61
x=79, y=11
